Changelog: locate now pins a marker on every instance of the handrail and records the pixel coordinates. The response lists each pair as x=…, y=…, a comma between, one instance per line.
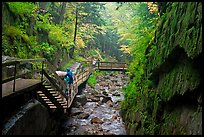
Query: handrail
x=59, y=84
x=112, y=65
x=16, y=63
x=63, y=86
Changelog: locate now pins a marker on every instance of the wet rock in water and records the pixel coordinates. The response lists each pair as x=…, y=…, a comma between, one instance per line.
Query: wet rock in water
x=75, y=111
x=96, y=120
x=114, y=117
x=103, y=83
x=81, y=99
x=119, y=83
x=105, y=99
x=77, y=104
x=94, y=98
x=112, y=88
x=83, y=116
x=116, y=93
x=97, y=87
x=109, y=103
x=105, y=93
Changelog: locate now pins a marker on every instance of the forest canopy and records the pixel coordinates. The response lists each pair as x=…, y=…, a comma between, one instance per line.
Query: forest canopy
x=44, y=29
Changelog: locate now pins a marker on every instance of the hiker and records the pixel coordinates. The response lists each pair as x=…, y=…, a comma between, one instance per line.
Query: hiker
x=69, y=80
x=94, y=62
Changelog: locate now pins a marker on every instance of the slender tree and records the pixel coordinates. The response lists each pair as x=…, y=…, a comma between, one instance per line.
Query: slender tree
x=63, y=10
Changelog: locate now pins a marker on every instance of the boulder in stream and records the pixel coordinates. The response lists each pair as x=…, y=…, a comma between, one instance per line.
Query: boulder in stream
x=81, y=99
x=96, y=120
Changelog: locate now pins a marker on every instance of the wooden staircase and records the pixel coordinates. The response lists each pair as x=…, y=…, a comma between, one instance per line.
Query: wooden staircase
x=52, y=94
x=52, y=99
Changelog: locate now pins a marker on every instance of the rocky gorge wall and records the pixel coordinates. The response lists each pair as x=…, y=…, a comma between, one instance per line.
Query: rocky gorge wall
x=173, y=103
x=176, y=67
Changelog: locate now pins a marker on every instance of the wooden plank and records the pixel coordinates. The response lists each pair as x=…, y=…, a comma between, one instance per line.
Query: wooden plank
x=54, y=83
x=9, y=63
x=52, y=99
x=7, y=88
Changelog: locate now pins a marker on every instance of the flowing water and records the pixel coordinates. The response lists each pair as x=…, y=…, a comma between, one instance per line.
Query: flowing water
x=100, y=113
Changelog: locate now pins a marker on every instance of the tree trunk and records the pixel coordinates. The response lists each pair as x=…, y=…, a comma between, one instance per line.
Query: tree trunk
x=63, y=9
x=75, y=33
x=43, y=5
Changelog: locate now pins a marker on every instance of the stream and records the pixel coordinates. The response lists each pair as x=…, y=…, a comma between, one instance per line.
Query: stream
x=96, y=110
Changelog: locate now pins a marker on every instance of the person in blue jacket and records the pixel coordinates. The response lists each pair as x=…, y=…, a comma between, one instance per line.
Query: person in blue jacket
x=69, y=80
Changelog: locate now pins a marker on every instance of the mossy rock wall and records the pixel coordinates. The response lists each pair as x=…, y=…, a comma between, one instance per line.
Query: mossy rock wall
x=178, y=43
x=181, y=26
x=173, y=102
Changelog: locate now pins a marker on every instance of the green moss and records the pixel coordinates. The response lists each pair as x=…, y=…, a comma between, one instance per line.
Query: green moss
x=92, y=81
x=179, y=32
x=181, y=79
x=171, y=122
x=179, y=27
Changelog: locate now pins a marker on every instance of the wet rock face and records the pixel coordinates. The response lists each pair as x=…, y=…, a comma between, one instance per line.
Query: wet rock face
x=32, y=119
x=100, y=114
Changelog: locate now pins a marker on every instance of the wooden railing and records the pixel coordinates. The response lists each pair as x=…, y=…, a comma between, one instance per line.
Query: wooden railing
x=107, y=65
x=112, y=65
x=48, y=71
x=16, y=73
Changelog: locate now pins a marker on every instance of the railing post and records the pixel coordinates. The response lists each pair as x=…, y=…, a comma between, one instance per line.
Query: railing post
x=14, y=82
x=42, y=70
x=82, y=77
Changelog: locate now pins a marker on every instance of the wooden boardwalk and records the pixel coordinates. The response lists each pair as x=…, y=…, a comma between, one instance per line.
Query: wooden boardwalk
x=49, y=89
x=21, y=84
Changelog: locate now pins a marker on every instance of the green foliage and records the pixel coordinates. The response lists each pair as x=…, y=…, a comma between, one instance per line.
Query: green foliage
x=21, y=8
x=14, y=40
x=92, y=80
x=138, y=96
x=44, y=22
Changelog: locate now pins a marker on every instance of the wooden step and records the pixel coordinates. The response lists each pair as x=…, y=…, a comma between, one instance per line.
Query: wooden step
x=51, y=104
x=52, y=107
x=54, y=92
x=59, y=99
x=65, y=104
x=46, y=99
x=62, y=102
x=59, y=96
x=39, y=92
x=48, y=102
x=51, y=89
x=54, y=95
x=48, y=86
